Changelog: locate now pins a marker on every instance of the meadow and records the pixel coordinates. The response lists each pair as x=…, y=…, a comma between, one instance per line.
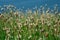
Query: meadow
x=30, y=25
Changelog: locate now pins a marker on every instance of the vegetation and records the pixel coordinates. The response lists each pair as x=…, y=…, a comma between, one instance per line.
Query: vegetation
x=36, y=25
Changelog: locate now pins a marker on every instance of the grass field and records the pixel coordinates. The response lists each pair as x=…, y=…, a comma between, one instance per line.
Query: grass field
x=30, y=25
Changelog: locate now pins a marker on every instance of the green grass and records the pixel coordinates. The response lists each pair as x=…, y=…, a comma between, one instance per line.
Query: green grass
x=29, y=26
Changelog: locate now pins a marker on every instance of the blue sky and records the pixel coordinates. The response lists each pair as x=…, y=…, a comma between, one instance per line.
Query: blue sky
x=30, y=3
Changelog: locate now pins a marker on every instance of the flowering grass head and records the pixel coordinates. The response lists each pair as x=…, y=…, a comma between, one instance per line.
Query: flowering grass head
x=30, y=25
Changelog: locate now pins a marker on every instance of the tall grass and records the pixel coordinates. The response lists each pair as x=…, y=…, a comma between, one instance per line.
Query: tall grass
x=30, y=25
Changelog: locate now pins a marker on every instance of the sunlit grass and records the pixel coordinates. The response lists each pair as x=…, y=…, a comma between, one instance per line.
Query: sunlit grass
x=30, y=25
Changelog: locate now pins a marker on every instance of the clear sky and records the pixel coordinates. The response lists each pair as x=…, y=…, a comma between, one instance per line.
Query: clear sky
x=30, y=3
